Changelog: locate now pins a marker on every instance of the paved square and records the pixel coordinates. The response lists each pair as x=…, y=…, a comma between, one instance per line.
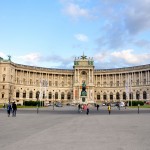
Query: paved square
x=66, y=129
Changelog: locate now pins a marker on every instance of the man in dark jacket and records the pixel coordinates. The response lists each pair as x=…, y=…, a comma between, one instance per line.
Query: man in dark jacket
x=14, y=109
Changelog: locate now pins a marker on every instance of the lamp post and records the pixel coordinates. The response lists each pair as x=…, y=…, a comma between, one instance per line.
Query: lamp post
x=53, y=102
x=37, y=102
x=138, y=103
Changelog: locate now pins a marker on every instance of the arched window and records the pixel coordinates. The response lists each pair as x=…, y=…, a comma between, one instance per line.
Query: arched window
x=111, y=83
x=144, y=95
x=117, y=83
x=50, y=83
x=44, y=96
x=104, y=84
x=50, y=95
x=111, y=96
x=69, y=95
x=117, y=96
x=24, y=81
x=31, y=82
x=124, y=95
x=131, y=95
x=56, y=95
x=98, y=83
x=137, y=82
x=105, y=96
x=98, y=96
x=30, y=94
x=24, y=94
x=137, y=95
x=37, y=94
x=17, y=94
x=62, y=95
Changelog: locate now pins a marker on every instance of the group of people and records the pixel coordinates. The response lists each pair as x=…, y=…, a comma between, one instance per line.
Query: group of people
x=11, y=107
x=86, y=108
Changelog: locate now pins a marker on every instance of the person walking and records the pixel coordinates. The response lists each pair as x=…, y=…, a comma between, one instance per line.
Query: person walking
x=87, y=109
x=9, y=108
x=14, y=109
x=109, y=109
x=79, y=108
x=97, y=106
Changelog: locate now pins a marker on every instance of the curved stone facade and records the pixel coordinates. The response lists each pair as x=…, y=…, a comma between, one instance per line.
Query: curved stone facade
x=22, y=83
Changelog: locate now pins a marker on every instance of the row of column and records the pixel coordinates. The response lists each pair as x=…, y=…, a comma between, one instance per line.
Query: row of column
x=130, y=78
x=78, y=73
x=121, y=97
x=41, y=76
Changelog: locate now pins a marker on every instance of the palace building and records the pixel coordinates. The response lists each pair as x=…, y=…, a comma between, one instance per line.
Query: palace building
x=23, y=83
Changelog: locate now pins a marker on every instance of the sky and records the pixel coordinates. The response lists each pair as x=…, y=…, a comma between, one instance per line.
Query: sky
x=51, y=33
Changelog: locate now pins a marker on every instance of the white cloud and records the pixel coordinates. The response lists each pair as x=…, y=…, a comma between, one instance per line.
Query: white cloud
x=81, y=37
x=76, y=11
x=127, y=56
x=2, y=55
x=30, y=59
x=119, y=59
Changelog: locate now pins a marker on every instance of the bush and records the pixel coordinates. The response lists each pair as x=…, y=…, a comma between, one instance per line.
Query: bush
x=33, y=103
x=135, y=103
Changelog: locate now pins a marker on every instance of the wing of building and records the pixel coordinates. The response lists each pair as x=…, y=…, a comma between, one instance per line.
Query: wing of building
x=23, y=83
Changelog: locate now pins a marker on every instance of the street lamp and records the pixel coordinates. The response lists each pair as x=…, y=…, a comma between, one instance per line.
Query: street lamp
x=37, y=102
x=53, y=102
x=138, y=103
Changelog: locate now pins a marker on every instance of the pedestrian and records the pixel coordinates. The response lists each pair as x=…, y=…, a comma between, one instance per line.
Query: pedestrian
x=97, y=106
x=9, y=108
x=87, y=109
x=109, y=109
x=14, y=109
x=79, y=108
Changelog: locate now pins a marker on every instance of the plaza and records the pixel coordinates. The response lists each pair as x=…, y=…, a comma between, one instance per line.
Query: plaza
x=65, y=129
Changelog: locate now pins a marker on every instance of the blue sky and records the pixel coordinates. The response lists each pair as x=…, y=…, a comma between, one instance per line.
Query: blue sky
x=51, y=33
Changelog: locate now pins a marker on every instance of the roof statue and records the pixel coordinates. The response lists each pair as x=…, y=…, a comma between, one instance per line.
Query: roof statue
x=9, y=57
x=83, y=56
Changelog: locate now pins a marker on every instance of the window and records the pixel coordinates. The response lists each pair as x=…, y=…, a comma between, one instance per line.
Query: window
x=137, y=95
x=62, y=95
x=137, y=82
x=3, y=86
x=98, y=96
x=2, y=95
x=24, y=94
x=50, y=83
x=131, y=95
x=56, y=95
x=30, y=94
x=50, y=95
x=117, y=83
x=104, y=96
x=111, y=83
x=111, y=96
x=144, y=95
x=17, y=94
x=144, y=82
x=56, y=83
x=117, y=96
x=68, y=95
x=124, y=96
x=37, y=94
